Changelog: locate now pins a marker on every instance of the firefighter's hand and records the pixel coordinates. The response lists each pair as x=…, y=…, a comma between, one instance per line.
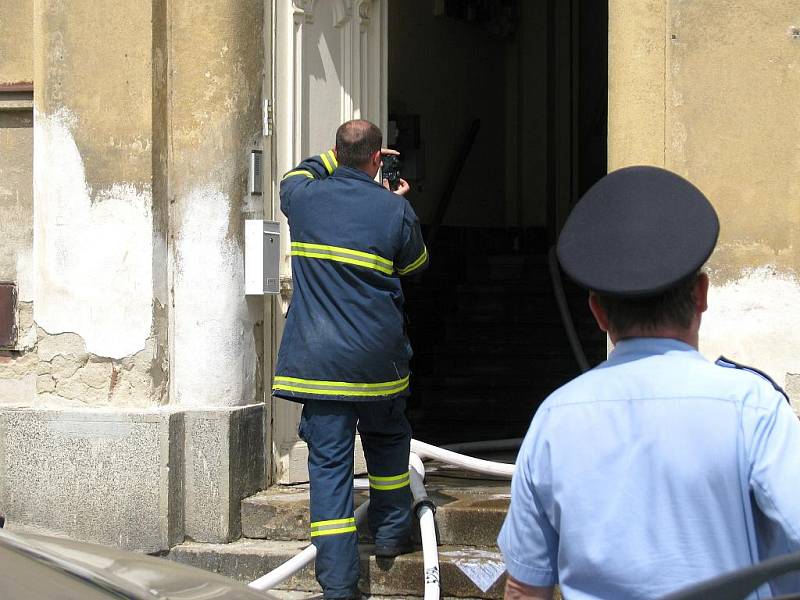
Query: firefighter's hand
x=402, y=188
x=389, y=152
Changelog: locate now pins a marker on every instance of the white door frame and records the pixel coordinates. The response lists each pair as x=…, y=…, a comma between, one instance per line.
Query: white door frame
x=331, y=65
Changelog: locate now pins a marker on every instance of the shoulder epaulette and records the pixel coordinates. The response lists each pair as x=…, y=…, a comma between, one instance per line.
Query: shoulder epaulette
x=731, y=364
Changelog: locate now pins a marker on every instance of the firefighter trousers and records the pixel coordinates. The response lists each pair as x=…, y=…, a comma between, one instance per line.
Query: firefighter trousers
x=328, y=427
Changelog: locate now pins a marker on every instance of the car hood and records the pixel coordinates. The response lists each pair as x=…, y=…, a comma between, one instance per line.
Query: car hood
x=138, y=575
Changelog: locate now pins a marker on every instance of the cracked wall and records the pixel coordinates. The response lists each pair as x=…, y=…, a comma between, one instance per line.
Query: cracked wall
x=132, y=289
x=95, y=315
x=709, y=90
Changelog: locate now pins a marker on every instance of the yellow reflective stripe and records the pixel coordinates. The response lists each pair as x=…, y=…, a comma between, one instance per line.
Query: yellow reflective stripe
x=392, y=482
x=393, y=486
x=416, y=264
x=335, y=162
x=339, y=388
x=344, y=255
x=342, y=259
x=334, y=531
x=299, y=172
x=316, y=524
x=333, y=526
x=390, y=478
x=375, y=257
x=327, y=163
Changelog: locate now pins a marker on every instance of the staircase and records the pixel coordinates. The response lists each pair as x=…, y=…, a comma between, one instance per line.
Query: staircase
x=488, y=339
x=275, y=527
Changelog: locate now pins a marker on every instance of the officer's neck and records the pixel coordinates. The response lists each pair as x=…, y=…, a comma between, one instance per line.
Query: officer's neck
x=689, y=335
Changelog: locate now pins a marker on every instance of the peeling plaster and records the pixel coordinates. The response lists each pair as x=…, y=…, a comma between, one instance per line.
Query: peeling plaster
x=214, y=358
x=92, y=255
x=56, y=370
x=755, y=320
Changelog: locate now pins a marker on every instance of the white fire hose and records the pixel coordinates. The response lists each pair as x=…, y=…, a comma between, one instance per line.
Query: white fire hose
x=423, y=507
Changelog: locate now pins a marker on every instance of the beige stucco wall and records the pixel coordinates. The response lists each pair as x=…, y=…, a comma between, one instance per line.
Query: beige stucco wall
x=93, y=204
x=709, y=90
x=16, y=46
x=142, y=125
x=17, y=375
x=216, y=63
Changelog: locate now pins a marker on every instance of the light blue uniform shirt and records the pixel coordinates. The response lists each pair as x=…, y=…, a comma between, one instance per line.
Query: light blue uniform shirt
x=655, y=470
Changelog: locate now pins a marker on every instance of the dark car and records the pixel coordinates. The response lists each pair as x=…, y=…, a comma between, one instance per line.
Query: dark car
x=37, y=567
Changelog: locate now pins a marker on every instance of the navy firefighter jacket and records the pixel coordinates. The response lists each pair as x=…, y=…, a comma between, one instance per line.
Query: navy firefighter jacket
x=345, y=336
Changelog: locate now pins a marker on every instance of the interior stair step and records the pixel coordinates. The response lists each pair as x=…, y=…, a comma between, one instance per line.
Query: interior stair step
x=534, y=383
x=469, y=517
x=248, y=559
x=509, y=365
x=544, y=334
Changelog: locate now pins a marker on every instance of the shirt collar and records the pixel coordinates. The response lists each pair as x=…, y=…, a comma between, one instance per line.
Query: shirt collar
x=635, y=348
x=351, y=173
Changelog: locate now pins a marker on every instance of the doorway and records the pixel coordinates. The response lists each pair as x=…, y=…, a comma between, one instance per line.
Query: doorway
x=499, y=108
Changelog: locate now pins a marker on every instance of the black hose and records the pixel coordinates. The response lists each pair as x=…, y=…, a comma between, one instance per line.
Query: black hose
x=739, y=584
x=563, y=309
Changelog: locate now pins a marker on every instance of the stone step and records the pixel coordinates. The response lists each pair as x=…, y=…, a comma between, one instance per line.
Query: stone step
x=470, y=516
x=461, y=569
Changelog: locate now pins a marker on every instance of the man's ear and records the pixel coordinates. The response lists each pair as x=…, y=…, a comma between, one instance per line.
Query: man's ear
x=700, y=293
x=599, y=312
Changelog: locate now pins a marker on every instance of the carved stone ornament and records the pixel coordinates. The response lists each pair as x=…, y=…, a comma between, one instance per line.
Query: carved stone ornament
x=342, y=12
x=364, y=14
x=364, y=8
x=303, y=11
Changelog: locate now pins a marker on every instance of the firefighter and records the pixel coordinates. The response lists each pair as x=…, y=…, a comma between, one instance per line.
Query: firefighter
x=344, y=352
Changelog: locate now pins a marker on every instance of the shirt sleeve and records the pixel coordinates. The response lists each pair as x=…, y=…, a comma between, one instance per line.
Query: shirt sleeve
x=310, y=170
x=775, y=466
x=413, y=255
x=528, y=541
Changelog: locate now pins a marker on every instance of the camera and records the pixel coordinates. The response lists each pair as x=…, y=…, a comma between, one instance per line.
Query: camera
x=391, y=171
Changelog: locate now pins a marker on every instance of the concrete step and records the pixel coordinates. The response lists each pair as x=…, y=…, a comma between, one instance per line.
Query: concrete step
x=468, y=513
x=462, y=570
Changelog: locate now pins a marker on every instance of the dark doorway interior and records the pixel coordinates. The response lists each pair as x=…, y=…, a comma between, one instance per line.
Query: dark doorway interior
x=483, y=320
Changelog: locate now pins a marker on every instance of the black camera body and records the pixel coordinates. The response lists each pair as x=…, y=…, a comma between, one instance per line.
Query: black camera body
x=391, y=171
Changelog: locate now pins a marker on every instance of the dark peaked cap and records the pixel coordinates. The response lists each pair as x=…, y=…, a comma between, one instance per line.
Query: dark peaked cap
x=637, y=232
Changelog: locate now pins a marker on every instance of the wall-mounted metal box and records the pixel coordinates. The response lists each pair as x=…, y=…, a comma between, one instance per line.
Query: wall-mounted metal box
x=262, y=255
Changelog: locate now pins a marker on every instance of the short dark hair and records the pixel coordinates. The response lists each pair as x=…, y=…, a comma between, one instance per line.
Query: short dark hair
x=674, y=307
x=356, y=141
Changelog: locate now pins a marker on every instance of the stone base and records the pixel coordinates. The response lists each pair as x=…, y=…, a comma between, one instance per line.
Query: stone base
x=111, y=477
x=225, y=463
x=139, y=479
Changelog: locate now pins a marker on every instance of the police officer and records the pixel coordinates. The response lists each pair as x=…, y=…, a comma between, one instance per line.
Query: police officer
x=344, y=352
x=657, y=468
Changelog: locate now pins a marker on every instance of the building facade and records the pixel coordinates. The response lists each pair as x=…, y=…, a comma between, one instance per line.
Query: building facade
x=135, y=373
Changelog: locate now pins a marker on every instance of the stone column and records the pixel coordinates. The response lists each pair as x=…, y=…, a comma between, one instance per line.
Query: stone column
x=215, y=66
